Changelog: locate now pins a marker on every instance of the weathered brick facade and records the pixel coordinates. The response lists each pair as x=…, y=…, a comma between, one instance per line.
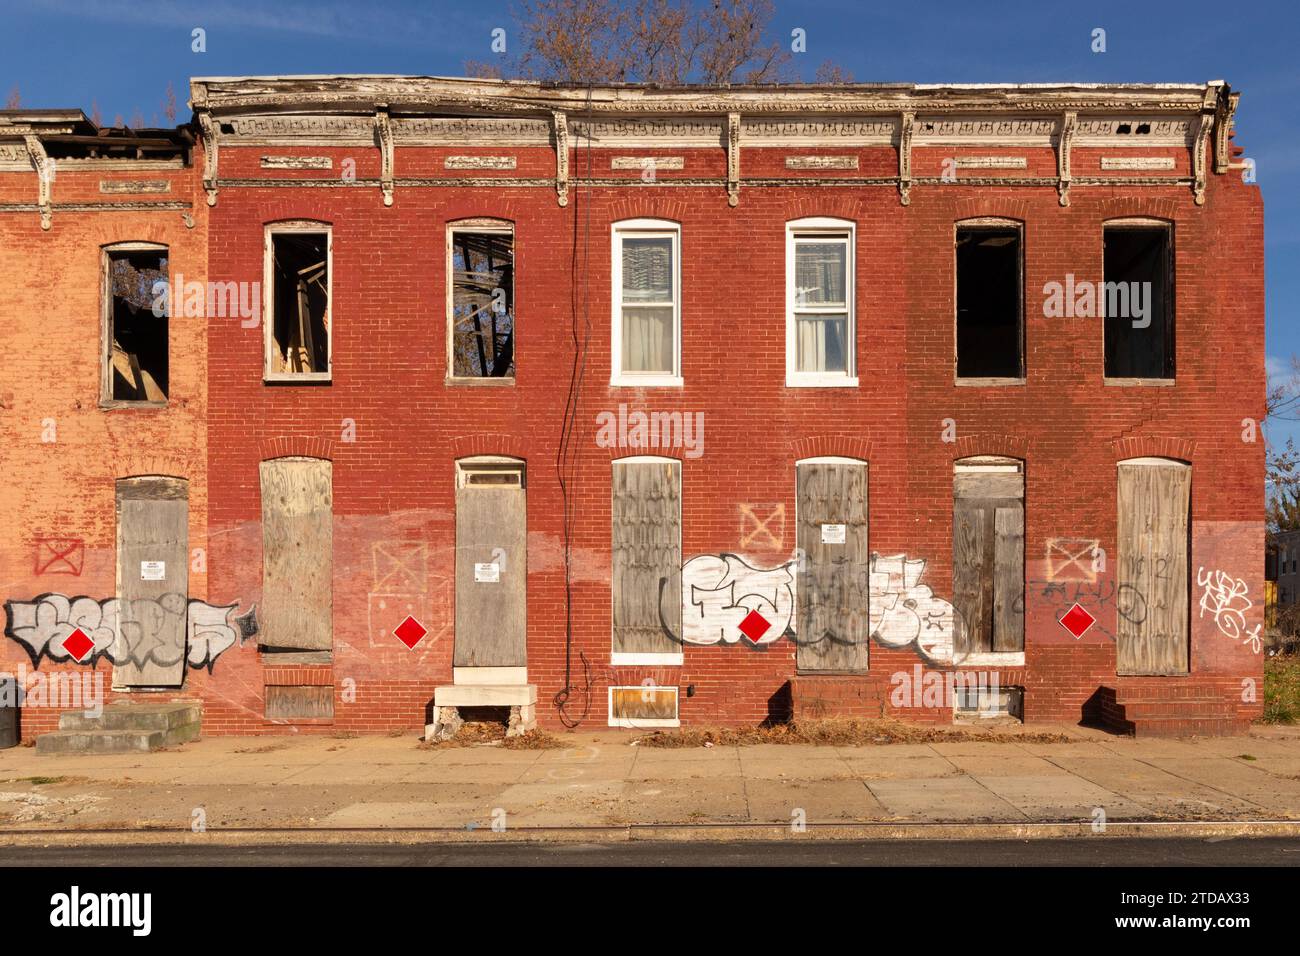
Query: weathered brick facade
x=394, y=429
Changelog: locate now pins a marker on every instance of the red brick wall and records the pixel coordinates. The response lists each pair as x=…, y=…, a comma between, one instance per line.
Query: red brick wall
x=394, y=486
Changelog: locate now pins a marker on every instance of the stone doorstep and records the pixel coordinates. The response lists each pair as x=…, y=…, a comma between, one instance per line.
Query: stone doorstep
x=485, y=695
x=124, y=715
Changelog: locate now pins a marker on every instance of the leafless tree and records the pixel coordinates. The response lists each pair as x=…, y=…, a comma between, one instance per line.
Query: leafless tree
x=666, y=42
x=15, y=100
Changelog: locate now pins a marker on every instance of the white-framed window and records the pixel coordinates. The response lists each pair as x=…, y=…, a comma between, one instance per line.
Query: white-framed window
x=296, y=296
x=821, y=330
x=647, y=298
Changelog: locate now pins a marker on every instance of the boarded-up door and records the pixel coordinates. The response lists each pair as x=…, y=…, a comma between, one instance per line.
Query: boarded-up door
x=491, y=565
x=152, y=582
x=1152, y=595
x=297, y=557
x=646, y=563
x=988, y=559
x=834, y=579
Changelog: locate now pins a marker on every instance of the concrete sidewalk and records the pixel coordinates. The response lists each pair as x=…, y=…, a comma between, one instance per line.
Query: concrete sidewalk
x=600, y=781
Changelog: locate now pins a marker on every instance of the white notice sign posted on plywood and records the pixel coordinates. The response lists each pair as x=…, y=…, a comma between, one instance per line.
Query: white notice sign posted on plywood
x=153, y=570
x=487, y=573
x=832, y=534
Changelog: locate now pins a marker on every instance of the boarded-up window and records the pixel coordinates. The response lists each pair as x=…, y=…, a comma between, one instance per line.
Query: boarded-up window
x=1152, y=592
x=833, y=598
x=136, y=307
x=990, y=326
x=482, y=286
x=297, y=556
x=988, y=556
x=646, y=572
x=1138, y=301
x=298, y=328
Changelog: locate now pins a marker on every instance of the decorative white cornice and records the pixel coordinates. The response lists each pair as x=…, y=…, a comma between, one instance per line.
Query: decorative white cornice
x=384, y=137
x=905, y=159
x=561, y=130
x=44, y=167
x=207, y=133
x=1063, y=177
x=733, y=159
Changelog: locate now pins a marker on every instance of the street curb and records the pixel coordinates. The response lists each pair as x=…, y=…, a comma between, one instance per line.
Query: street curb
x=1155, y=829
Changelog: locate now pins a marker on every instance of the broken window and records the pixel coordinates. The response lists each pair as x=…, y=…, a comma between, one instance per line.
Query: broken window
x=988, y=556
x=990, y=328
x=819, y=293
x=1136, y=301
x=136, y=301
x=298, y=330
x=482, y=303
x=647, y=308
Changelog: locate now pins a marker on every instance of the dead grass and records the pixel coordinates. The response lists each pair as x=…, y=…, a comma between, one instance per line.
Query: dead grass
x=265, y=749
x=493, y=733
x=839, y=731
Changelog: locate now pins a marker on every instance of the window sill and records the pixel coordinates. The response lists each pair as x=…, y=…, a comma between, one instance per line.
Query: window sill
x=838, y=381
x=296, y=378
x=640, y=723
x=624, y=659
x=991, y=659
x=486, y=381
x=1139, y=382
x=986, y=382
x=646, y=381
x=112, y=404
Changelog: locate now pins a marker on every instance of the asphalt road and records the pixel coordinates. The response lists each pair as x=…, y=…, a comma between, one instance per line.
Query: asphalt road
x=1098, y=851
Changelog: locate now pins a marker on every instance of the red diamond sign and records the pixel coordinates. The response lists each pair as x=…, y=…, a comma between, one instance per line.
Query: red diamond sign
x=754, y=626
x=78, y=645
x=1077, y=621
x=410, y=632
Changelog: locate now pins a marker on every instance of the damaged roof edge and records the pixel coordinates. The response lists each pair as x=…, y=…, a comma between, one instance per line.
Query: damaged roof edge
x=415, y=93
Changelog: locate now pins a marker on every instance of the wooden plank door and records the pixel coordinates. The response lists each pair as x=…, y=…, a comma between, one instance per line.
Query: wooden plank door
x=988, y=562
x=152, y=582
x=646, y=566
x=491, y=566
x=297, y=557
x=1154, y=500
x=833, y=589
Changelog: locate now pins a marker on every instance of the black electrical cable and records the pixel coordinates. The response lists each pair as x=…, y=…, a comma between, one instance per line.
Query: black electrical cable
x=563, y=458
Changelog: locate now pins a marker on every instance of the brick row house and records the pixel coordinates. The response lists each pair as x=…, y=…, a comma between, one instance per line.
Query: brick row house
x=640, y=407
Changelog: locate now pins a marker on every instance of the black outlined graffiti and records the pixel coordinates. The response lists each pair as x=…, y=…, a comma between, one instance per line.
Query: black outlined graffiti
x=136, y=636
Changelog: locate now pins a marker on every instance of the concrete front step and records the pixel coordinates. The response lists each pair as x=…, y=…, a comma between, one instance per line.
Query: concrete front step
x=124, y=715
x=113, y=741
x=1184, y=727
x=1186, y=707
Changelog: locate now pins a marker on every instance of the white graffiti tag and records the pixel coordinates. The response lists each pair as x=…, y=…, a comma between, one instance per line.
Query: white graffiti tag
x=131, y=631
x=1225, y=598
x=720, y=591
x=904, y=611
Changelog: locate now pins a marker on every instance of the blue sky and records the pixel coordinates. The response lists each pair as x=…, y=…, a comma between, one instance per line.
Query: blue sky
x=121, y=54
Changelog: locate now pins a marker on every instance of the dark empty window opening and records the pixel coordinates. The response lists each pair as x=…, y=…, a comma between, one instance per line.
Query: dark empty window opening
x=300, y=323
x=137, y=333
x=1136, y=296
x=482, y=304
x=990, y=336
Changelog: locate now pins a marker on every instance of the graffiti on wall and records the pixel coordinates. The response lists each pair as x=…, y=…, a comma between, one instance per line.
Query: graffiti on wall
x=762, y=526
x=402, y=585
x=720, y=590
x=60, y=556
x=136, y=631
x=1226, y=599
x=1072, y=559
x=1096, y=596
x=905, y=612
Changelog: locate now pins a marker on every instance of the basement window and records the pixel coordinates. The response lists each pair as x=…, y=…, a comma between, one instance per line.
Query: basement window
x=135, y=316
x=298, y=302
x=990, y=317
x=1137, y=298
x=481, y=289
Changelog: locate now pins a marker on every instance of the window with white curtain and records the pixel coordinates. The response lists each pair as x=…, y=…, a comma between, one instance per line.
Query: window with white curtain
x=647, y=303
x=820, y=335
